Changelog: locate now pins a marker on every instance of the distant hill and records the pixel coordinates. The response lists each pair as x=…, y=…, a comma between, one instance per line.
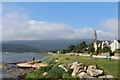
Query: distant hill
x=39, y=45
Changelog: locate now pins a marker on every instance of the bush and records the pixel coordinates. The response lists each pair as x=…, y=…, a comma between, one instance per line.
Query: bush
x=46, y=68
x=56, y=72
x=35, y=74
x=65, y=75
x=49, y=60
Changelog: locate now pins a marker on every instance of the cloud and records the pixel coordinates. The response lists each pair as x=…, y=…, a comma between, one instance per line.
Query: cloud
x=111, y=24
x=18, y=26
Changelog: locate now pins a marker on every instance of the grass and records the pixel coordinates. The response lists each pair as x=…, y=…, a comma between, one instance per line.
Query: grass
x=109, y=66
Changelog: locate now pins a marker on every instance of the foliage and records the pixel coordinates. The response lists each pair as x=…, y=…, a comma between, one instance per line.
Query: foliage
x=63, y=51
x=49, y=60
x=46, y=68
x=35, y=74
x=56, y=72
x=118, y=41
x=106, y=49
x=71, y=48
x=75, y=48
x=91, y=48
x=65, y=75
x=117, y=51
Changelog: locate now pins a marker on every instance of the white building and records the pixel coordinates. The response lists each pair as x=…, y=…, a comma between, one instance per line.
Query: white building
x=115, y=45
x=105, y=43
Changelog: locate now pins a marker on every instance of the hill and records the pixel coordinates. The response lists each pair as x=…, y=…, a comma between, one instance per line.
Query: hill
x=39, y=45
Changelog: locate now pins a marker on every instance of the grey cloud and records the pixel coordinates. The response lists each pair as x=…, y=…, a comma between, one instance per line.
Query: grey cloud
x=17, y=26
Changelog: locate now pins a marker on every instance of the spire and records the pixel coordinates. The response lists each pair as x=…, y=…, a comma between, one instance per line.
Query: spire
x=95, y=36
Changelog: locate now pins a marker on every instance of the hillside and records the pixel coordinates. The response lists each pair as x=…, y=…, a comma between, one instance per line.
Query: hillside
x=39, y=45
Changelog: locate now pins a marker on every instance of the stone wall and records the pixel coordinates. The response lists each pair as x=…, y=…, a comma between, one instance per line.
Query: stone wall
x=117, y=54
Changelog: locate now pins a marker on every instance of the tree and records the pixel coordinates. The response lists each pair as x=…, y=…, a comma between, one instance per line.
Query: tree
x=71, y=48
x=106, y=49
x=63, y=51
x=91, y=48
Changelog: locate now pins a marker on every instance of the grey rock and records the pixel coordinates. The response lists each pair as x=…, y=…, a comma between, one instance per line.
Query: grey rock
x=94, y=72
x=75, y=64
x=85, y=68
x=75, y=71
x=92, y=67
x=84, y=75
x=106, y=76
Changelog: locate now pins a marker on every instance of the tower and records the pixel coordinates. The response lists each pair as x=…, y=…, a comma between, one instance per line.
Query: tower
x=95, y=41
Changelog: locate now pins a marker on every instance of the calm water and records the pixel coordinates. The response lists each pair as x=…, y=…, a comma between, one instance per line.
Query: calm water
x=15, y=57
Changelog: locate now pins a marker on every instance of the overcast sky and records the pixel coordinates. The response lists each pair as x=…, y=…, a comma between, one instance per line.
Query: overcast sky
x=39, y=21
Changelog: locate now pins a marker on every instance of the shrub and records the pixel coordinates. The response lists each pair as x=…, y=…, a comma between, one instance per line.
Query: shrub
x=65, y=75
x=35, y=74
x=49, y=60
x=46, y=68
x=56, y=72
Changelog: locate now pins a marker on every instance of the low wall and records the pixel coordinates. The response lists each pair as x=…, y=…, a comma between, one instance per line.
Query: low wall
x=116, y=54
x=104, y=54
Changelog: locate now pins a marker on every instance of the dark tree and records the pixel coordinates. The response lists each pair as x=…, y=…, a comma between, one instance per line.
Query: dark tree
x=91, y=48
x=106, y=49
x=63, y=51
x=71, y=48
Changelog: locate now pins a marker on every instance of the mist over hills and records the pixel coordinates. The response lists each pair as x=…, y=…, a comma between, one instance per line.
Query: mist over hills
x=39, y=45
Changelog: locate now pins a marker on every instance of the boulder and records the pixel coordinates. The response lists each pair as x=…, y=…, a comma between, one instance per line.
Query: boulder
x=75, y=71
x=85, y=67
x=94, y=72
x=75, y=64
x=84, y=75
x=45, y=73
x=106, y=76
x=92, y=67
x=63, y=67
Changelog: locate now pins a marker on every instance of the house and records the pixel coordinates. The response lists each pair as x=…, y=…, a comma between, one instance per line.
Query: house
x=105, y=43
x=115, y=45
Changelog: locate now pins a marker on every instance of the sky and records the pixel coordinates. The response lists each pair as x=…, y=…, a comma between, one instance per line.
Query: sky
x=59, y=20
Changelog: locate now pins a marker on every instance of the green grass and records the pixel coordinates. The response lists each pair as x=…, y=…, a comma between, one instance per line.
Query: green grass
x=109, y=66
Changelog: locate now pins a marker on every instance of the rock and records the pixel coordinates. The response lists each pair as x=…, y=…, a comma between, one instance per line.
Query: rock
x=3, y=66
x=69, y=65
x=45, y=73
x=92, y=67
x=84, y=75
x=106, y=76
x=75, y=71
x=94, y=72
x=75, y=64
x=63, y=67
x=85, y=68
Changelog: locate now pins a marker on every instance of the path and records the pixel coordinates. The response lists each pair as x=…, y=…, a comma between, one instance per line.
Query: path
x=98, y=56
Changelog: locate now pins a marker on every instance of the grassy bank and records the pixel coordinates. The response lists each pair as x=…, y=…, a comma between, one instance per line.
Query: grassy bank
x=109, y=66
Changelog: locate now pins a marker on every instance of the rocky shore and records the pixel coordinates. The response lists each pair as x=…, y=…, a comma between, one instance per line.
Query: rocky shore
x=20, y=69
x=13, y=72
